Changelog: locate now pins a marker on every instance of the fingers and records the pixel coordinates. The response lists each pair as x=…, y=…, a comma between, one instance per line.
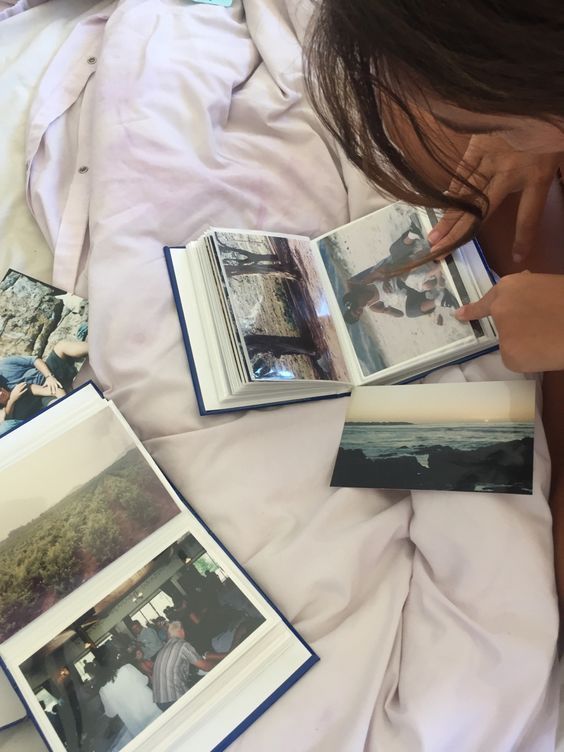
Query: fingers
x=456, y=224
x=450, y=230
x=51, y=384
x=529, y=215
x=479, y=309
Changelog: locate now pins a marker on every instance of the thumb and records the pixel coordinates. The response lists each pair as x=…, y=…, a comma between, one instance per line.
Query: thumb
x=479, y=309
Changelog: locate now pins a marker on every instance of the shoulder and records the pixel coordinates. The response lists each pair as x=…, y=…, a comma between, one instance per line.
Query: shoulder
x=190, y=652
x=130, y=671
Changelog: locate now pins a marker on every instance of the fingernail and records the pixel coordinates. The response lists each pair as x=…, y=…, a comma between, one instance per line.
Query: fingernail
x=433, y=236
x=459, y=313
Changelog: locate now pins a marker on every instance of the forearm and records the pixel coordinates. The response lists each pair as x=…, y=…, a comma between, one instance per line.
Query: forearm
x=214, y=656
x=209, y=661
x=42, y=367
x=13, y=398
x=40, y=391
x=553, y=419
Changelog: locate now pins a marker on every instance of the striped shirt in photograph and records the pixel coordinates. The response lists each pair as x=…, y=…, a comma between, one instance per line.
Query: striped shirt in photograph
x=171, y=670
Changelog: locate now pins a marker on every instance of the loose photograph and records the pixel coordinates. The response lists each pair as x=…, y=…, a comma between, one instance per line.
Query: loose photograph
x=443, y=437
x=131, y=657
x=43, y=343
x=279, y=307
x=390, y=321
x=69, y=509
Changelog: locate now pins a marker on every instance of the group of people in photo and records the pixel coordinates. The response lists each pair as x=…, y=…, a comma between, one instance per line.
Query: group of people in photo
x=420, y=291
x=29, y=383
x=146, y=666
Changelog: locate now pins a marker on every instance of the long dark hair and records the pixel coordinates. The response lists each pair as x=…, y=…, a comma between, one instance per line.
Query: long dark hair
x=109, y=661
x=366, y=58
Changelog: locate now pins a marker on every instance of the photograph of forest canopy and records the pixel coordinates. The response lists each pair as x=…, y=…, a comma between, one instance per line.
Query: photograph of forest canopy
x=73, y=506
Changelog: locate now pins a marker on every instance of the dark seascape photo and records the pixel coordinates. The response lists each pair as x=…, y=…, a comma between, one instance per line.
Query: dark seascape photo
x=43, y=344
x=150, y=642
x=444, y=437
x=69, y=509
x=278, y=307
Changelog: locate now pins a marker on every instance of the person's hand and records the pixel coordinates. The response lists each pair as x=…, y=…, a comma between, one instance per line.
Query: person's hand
x=494, y=167
x=17, y=391
x=528, y=311
x=15, y=394
x=53, y=385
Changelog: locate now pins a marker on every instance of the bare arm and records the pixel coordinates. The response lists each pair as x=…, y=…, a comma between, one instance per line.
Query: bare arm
x=50, y=381
x=15, y=394
x=209, y=661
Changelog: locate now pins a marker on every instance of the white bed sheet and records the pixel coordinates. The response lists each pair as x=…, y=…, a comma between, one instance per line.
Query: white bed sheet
x=433, y=613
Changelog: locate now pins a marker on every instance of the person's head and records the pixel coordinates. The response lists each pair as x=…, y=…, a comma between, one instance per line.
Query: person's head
x=89, y=668
x=109, y=662
x=175, y=629
x=4, y=396
x=478, y=67
x=354, y=302
x=136, y=628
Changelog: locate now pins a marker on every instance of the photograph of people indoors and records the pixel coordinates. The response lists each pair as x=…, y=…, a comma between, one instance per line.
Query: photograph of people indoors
x=42, y=346
x=141, y=649
x=390, y=317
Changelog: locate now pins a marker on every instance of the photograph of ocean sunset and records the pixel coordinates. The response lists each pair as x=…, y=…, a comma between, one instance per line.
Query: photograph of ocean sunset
x=444, y=437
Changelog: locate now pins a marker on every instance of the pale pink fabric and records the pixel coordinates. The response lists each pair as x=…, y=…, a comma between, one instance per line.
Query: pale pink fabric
x=434, y=614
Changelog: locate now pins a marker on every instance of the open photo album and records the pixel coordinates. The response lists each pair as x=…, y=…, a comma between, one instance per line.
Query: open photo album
x=269, y=318
x=124, y=623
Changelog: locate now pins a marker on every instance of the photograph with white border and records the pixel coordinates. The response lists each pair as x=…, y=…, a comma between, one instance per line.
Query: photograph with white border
x=391, y=321
x=76, y=503
x=146, y=645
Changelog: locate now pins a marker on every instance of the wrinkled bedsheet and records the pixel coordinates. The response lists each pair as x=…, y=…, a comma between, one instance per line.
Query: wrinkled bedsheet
x=434, y=614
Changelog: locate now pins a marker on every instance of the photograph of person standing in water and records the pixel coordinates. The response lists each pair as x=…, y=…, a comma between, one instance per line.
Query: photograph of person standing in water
x=442, y=437
x=278, y=307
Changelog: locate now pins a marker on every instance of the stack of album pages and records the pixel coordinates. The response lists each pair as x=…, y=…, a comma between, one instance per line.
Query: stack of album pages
x=269, y=318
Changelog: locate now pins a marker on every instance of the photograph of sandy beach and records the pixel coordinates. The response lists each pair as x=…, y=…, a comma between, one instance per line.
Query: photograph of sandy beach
x=392, y=322
x=455, y=437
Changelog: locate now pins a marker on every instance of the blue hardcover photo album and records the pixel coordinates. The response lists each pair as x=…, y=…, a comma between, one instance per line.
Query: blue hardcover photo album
x=270, y=318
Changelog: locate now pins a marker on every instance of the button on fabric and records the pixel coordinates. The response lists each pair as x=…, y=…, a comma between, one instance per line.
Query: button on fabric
x=83, y=169
x=92, y=60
